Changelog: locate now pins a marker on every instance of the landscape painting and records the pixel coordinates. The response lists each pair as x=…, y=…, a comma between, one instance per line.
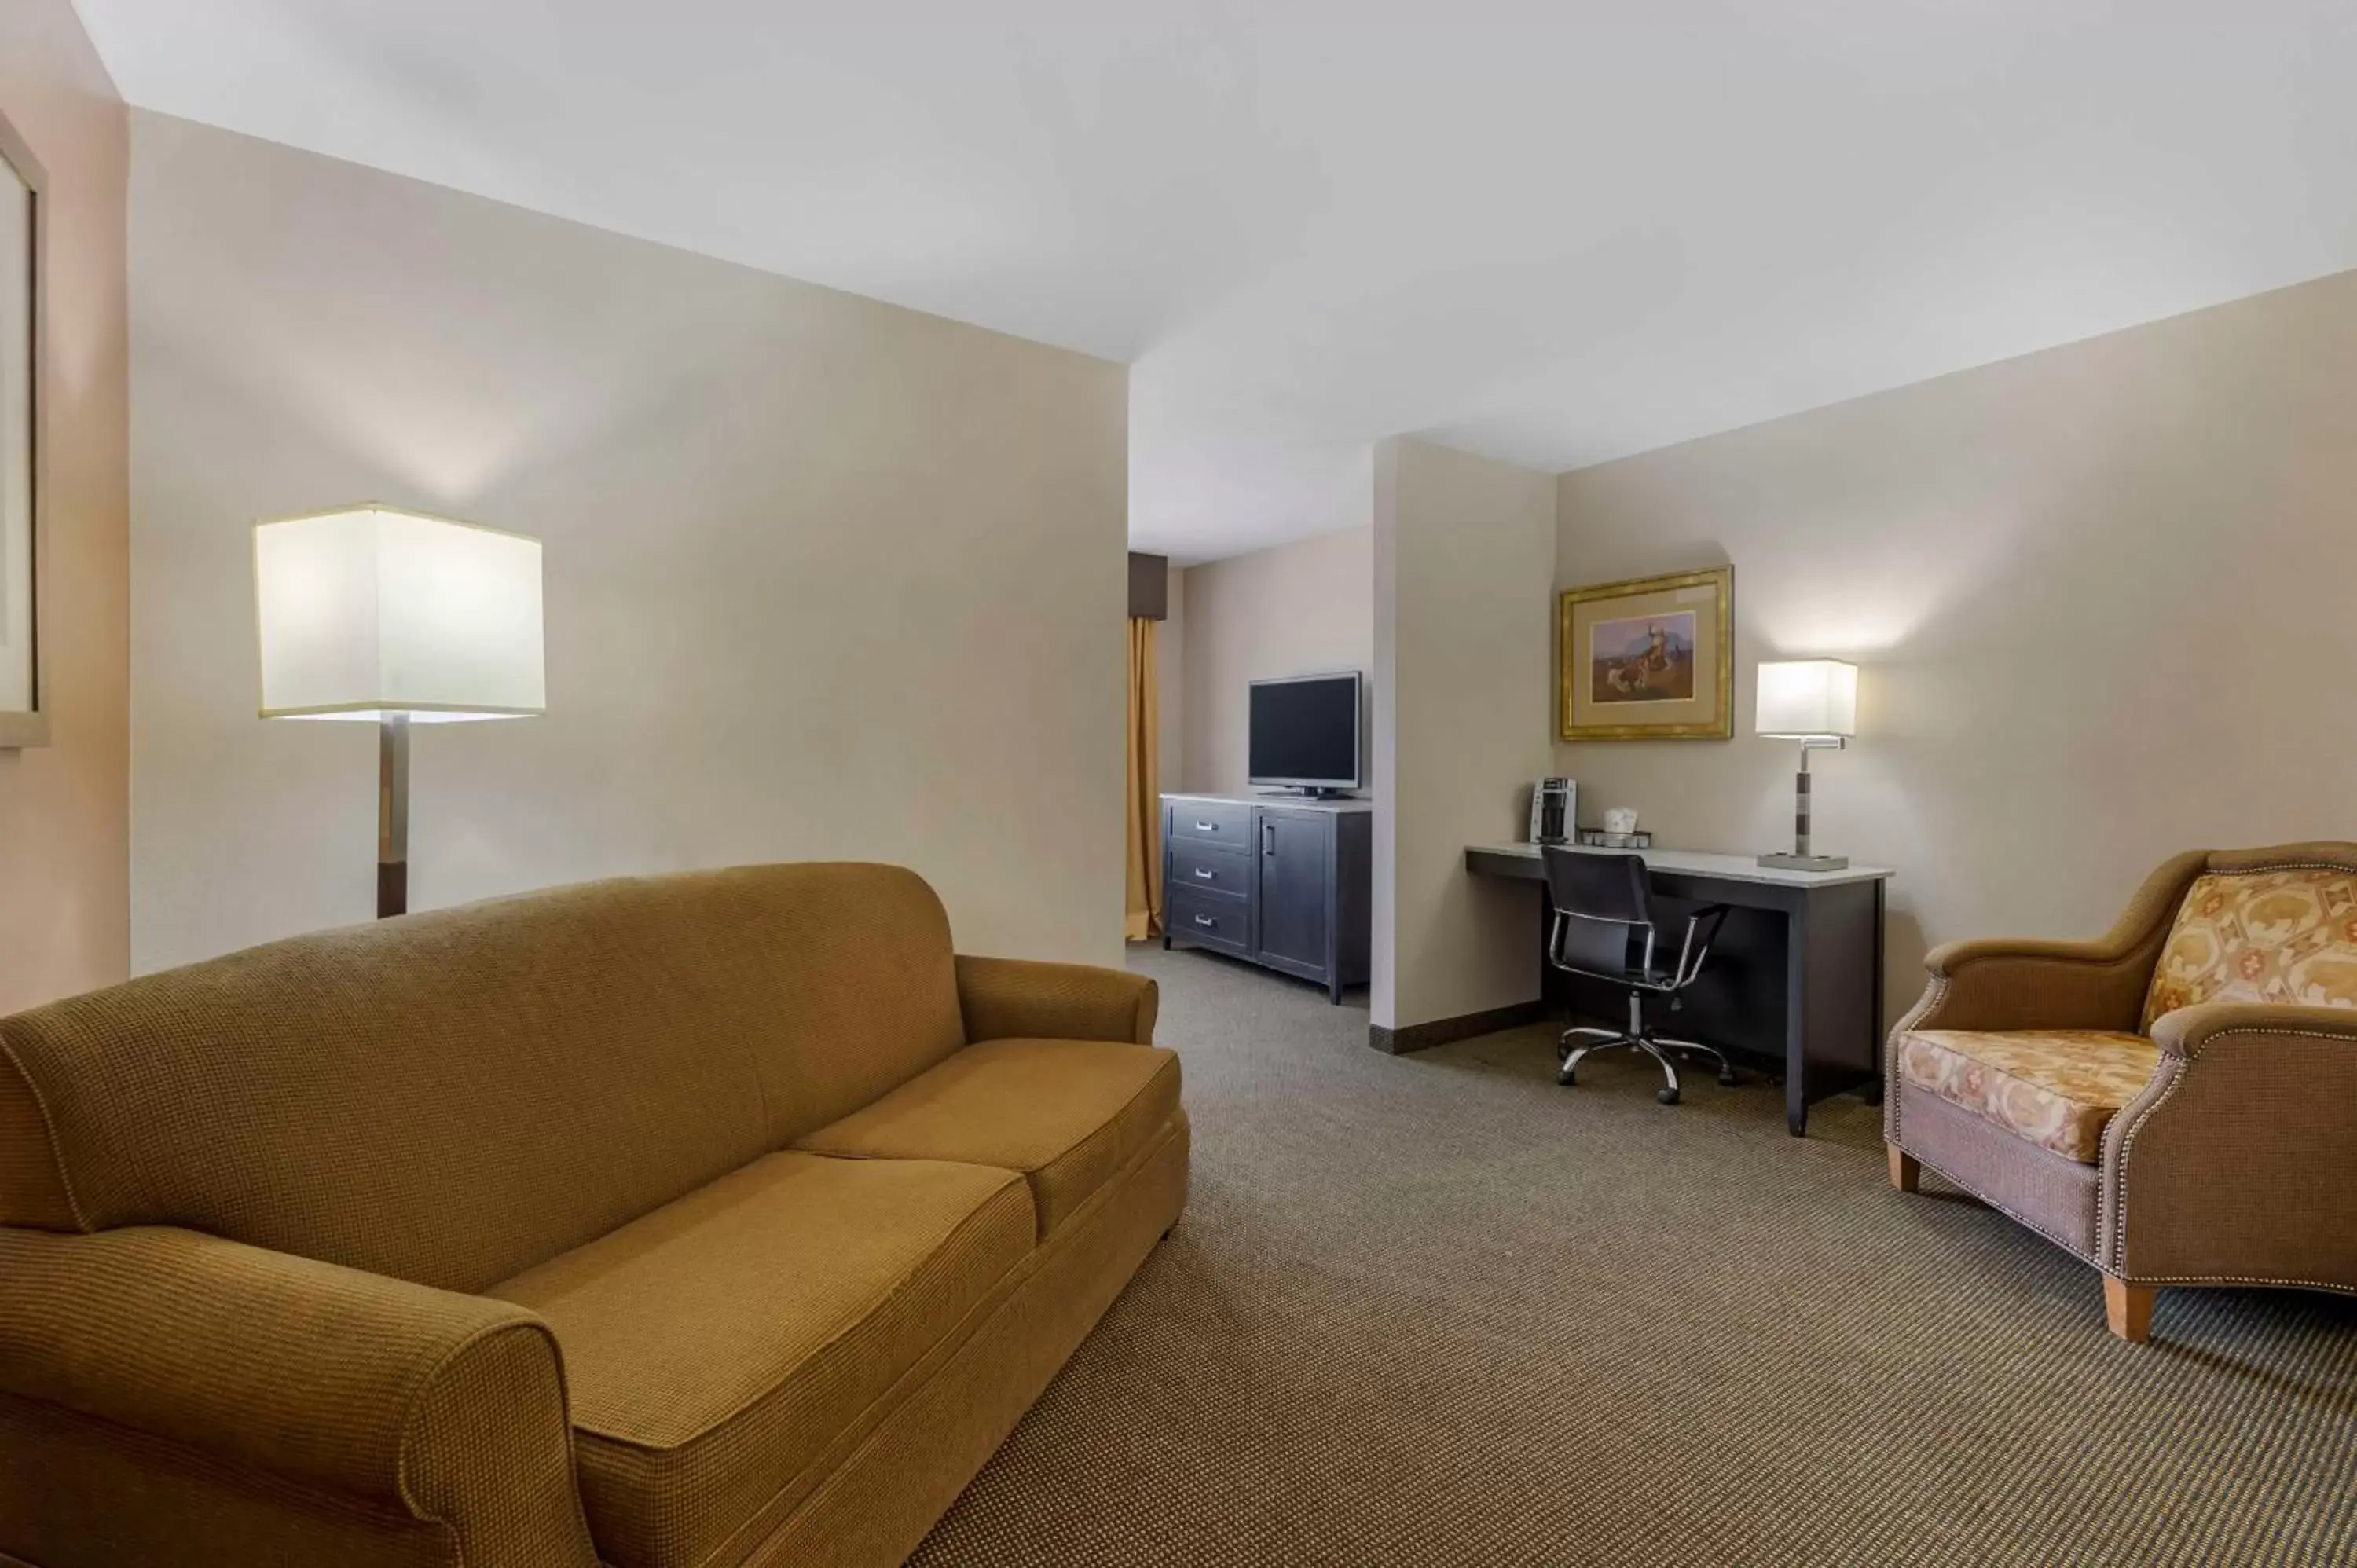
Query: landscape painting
x=1642, y=659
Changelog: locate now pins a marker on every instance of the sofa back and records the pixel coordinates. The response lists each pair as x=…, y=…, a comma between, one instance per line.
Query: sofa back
x=2277, y=926
x=453, y=1097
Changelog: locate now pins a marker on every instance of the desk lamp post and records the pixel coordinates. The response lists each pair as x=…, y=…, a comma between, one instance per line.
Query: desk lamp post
x=1815, y=702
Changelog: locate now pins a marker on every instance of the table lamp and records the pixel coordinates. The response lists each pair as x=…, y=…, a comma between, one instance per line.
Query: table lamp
x=1815, y=702
x=374, y=615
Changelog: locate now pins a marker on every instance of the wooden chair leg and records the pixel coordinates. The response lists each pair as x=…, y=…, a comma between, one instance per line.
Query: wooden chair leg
x=1905, y=1170
x=2127, y=1309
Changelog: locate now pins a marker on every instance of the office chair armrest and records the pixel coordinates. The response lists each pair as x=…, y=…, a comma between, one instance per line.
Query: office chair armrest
x=1691, y=958
x=2234, y=1162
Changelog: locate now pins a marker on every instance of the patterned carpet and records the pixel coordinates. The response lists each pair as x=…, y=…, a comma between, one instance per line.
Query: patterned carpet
x=1432, y=1310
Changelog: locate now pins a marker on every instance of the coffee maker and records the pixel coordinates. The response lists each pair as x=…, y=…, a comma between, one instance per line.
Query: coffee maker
x=1552, y=804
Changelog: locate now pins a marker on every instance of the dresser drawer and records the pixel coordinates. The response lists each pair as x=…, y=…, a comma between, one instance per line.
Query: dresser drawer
x=1213, y=824
x=1210, y=920
x=1206, y=868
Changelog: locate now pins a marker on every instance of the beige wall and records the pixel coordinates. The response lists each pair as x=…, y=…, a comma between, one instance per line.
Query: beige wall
x=64, y=877
x=2101, y=598
x=1294, y=609
x=1464, y=556
x=826, y=578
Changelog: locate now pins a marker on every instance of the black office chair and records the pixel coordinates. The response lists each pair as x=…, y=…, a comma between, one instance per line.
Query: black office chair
x=1604, y=929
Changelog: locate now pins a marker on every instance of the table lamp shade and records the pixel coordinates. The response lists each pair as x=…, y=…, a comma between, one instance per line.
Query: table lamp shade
x=369, y=612
x=1807, y=699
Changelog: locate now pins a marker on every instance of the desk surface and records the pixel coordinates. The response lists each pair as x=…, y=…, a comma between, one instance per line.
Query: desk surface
x=1726, y=867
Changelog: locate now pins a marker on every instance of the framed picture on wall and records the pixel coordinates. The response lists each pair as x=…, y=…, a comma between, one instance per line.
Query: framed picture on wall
x=23, y=721
x=1650, y=659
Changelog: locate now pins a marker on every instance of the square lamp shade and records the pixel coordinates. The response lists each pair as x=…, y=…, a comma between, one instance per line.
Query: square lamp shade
x=369, y=612
x=1807, y=699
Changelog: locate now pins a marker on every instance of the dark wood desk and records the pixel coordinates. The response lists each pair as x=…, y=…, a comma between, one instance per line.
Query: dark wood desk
x=1795, y=976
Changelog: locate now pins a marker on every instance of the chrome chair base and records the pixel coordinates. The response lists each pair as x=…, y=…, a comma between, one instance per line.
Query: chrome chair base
x=1663, y=1051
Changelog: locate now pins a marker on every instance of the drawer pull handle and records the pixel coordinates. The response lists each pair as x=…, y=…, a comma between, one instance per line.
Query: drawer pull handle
x=1205, y=920
x=1207, y=827
x=1203, y=876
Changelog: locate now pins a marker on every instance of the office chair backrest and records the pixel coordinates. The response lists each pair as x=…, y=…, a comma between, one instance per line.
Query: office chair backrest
x=1614, y=909
x=1600, y=886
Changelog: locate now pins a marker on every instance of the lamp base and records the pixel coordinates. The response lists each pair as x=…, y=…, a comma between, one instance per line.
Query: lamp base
x=1806, y=862
x=391, y=889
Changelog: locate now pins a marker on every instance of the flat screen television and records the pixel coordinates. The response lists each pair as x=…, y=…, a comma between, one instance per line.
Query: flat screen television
x=1305, y=733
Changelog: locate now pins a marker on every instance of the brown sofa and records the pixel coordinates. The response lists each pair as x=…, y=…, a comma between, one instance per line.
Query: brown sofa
x=2175, y=1102
x=706, y=1220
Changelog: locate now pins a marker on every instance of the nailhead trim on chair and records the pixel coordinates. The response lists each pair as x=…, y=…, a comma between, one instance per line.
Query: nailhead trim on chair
x=1934, y=994
x=2023, y=1220
x=2118, y=1251
x=2108, y=1222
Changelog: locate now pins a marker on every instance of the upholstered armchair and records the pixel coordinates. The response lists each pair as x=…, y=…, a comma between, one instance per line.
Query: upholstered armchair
x=2175, y=1102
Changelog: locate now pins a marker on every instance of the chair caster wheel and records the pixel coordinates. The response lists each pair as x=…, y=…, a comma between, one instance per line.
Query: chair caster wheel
x=1667, y=1096
x=1728, y=1080
x=1565, y=1080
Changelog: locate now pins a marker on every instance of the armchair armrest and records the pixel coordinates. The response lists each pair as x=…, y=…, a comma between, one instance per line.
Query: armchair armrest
x=1012, y=998
x=435, y=1406
x=2233, y=1164
x=2020, y=983
x=2188, y=1032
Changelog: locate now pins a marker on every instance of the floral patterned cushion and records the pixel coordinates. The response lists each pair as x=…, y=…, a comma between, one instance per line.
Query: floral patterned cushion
x=2265, y=936
x=2055, y=1088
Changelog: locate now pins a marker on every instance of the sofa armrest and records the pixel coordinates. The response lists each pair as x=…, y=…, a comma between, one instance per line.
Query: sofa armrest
x=441, y=1407
x=2235, y=1161
x=1013, y=998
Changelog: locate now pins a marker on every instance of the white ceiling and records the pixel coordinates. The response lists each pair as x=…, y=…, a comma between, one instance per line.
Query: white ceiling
x=1552, y=230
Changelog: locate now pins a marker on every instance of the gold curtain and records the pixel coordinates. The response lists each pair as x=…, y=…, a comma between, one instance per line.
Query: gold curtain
x=1144, y=788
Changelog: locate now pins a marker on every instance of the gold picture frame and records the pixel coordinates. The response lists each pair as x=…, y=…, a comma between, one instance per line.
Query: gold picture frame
x=1647, y=659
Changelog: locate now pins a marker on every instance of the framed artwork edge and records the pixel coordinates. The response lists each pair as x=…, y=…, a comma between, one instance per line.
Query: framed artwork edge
x=1722, y=728
x=22, y=728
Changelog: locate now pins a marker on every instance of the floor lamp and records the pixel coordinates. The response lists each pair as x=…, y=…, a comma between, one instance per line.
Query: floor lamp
x=371, y=615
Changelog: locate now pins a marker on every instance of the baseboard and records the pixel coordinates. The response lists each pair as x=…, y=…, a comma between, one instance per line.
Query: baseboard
x=1464, y=1026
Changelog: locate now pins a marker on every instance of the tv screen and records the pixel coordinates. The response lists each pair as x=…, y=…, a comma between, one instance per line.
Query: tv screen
x=1305, y=732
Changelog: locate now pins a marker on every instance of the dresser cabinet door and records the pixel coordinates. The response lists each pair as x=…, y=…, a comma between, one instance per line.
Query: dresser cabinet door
x=1295, y=847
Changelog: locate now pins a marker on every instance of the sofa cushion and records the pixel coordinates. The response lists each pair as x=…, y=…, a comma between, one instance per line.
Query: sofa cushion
x=2261, y=936
x=1066, y=1113
x=2055, y=1088
x=715, y=1347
